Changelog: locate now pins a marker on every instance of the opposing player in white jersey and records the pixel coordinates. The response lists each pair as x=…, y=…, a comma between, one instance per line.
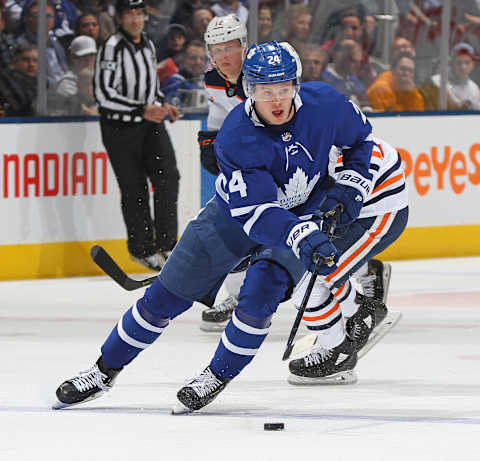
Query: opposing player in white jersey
x=226, y=41
x=272, y=193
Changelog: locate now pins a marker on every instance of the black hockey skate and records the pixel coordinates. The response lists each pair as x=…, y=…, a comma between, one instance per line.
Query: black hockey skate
x=362, y=323
x=216, y=318
x=326, y=366
x=88, y=385
x=154, y=262
x=377, y=281
x=200, y=391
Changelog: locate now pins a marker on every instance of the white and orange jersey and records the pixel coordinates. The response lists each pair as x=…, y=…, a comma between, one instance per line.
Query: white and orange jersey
x=223, y=96
x=389, y=191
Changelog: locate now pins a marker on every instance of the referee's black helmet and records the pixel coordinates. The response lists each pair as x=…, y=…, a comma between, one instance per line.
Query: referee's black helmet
x=123, y=5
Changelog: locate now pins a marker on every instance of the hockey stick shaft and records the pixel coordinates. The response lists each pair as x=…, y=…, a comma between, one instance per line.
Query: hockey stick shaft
x=103, y=260
x=335, y=213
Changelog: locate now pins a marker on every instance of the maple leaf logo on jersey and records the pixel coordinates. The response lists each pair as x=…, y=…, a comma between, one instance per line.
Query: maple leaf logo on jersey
x=297, y=190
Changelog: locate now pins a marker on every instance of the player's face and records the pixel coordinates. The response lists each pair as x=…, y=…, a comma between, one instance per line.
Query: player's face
x=274, y=102
x=132, y=22
x=227, y=57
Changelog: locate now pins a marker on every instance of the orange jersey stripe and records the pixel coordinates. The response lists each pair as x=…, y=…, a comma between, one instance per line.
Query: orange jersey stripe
x=215, y=87
x=340, y=290
x=388, y=182
x=359, y=250
x=323, y=316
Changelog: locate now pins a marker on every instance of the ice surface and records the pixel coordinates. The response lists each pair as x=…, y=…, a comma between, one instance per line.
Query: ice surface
x=417, y=397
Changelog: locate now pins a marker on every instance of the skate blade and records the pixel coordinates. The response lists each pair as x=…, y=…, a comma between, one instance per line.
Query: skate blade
x=340, y=378
x=180, y=409
x=392, y=318
x=387, y=273
x=210, y=327
x=57, y=405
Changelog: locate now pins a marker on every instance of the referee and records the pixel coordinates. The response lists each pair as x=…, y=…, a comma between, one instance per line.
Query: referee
x=132, y=110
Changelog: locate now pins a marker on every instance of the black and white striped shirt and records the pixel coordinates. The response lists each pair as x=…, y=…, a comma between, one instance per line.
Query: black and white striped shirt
x=126, y=78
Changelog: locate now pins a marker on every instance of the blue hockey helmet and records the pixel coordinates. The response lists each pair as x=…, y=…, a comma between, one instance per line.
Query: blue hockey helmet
x=269, y=63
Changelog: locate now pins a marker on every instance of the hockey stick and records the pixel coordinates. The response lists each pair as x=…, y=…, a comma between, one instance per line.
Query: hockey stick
x=110, y=267
x=335, y=213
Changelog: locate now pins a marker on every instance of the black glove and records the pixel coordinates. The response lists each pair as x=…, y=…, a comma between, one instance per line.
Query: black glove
x=206, y=139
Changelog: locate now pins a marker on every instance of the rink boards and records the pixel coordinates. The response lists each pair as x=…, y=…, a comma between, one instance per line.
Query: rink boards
x=58, y=194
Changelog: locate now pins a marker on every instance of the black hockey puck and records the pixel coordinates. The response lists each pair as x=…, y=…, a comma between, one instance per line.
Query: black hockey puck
x=273, y=426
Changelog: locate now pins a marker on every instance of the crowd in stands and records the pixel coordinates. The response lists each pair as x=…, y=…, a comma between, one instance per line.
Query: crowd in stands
x=383, y=62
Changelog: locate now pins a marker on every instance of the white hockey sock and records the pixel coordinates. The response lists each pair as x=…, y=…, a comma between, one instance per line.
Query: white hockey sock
x=346, y=297
x=234, y=282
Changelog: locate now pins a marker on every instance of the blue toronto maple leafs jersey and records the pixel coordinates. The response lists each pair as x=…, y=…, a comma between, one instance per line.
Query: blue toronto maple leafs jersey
x=272, y=176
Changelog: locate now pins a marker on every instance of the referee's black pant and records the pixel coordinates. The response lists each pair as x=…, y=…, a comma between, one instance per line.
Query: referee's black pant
x=137, y=151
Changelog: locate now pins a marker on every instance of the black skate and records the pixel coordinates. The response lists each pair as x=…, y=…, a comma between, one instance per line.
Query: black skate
x=377, y=281
x=362, y=323
x=216, y=318
x=326, y=366
x=200, y=391
x=88, y=385
x=154, y=262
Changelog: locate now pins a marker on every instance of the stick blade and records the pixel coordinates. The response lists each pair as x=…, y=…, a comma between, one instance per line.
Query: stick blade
x=103, y=260
x=287, y=353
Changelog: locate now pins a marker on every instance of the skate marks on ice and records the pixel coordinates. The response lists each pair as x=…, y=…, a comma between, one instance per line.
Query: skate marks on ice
x=232, y=412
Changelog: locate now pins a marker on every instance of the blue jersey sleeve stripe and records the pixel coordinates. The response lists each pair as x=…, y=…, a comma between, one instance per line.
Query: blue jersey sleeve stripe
x=242, y=210
x=247, y=227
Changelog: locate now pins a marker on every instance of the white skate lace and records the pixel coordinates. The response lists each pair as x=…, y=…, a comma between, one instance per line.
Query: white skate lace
x=228, y=304
x=317, y=356
x=205, y=383
x=357, y=329
x=88, y=379
x=368, y=285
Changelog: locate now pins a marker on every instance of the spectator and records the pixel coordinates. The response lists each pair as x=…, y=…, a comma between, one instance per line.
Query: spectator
x=191, y=65
x=395, y=90
x=351, y=23
x=103, y=14
x=87, y=24
x=6, y=45
x=65, y=17
x=264, y=24
x=158, y=18
x=18, y=86
x=198, y=26
x=399, y=45
x=82, y=53
x=83, y=103
x=342, y=73
x=462, y=92
x=172, y=43
x=56, y=58
x=12, y=14
x=184, y=11
x=224, y=7
x=314, y=62
x=297, y=27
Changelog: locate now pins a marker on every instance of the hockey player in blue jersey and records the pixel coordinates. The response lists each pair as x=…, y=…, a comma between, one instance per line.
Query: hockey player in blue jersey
x=273, y=151
x=226, y=43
